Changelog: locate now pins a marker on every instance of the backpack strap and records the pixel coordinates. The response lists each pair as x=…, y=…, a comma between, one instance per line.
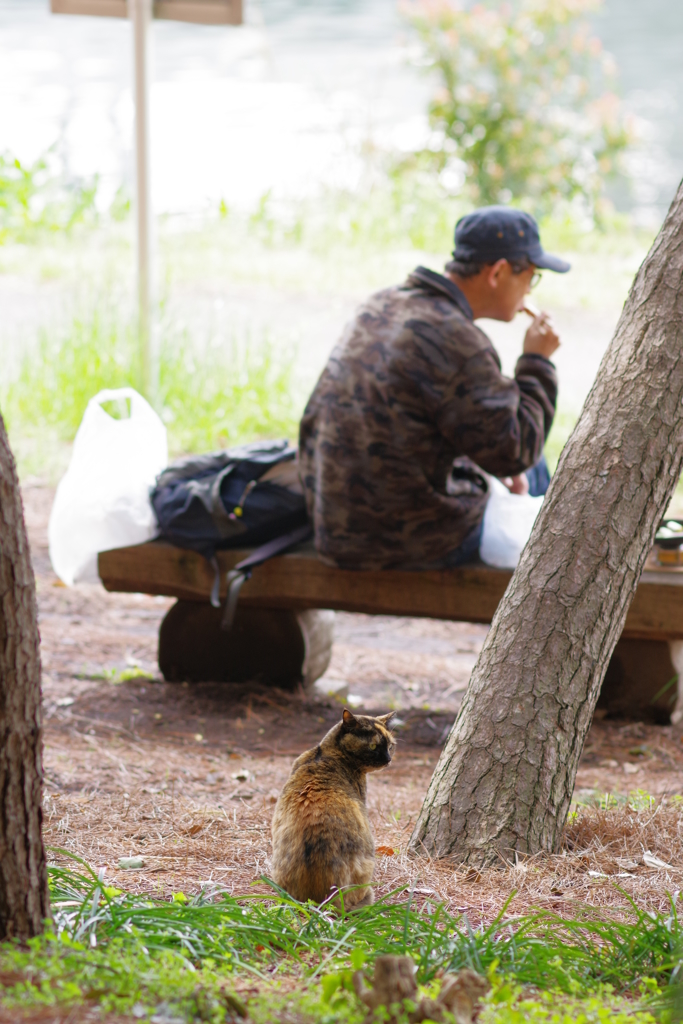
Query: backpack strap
x=216, y=588
x=242, y=571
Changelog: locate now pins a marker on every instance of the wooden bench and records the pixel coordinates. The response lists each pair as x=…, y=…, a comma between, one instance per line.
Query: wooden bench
x=281, y=636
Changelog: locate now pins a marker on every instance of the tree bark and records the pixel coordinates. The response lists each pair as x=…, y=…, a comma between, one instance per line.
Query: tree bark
x=24, y=901
x=505, y=778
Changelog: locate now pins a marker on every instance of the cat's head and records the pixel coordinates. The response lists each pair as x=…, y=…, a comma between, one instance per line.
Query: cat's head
x=366, y=740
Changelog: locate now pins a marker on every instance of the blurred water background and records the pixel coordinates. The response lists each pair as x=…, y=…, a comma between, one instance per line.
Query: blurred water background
x=287, y=101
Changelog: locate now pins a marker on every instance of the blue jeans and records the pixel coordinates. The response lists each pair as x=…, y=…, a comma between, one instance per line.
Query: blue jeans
x=539, y=481
x=539, y=478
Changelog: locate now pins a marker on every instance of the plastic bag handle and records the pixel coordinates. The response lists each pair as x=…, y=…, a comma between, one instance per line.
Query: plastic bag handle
x=112, y=394
x=109, y=394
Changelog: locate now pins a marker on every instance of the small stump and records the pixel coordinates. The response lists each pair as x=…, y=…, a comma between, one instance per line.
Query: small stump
x=277, y=646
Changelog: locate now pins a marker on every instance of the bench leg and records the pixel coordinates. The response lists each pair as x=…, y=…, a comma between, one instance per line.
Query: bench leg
x=676, y=651
x=637, y=672
x=277, y=646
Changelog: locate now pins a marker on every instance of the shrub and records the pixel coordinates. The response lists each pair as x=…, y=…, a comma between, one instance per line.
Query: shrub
x=523, y=111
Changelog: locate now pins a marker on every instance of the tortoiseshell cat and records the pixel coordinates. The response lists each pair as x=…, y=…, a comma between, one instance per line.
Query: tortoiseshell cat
x=321, y=831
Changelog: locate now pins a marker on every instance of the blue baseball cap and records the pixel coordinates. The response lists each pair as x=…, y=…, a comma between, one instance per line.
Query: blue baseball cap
x=502, y=233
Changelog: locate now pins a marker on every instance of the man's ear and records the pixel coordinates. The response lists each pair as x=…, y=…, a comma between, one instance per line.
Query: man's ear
x=348, y=719
x=496, y=270
x=385, y=719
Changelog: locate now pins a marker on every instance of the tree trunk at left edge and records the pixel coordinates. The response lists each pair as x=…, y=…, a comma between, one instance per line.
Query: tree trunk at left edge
x=24, y=900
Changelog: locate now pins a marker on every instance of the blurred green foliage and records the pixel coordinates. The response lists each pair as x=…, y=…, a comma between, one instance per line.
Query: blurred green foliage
x=400, y=209
x=209, y=396
x=525, y=109
x=38, y=197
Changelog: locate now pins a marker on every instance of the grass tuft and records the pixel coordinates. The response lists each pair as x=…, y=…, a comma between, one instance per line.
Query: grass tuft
x=190, y=958
x=274, y=933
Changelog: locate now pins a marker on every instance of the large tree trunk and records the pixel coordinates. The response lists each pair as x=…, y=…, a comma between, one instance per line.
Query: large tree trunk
x=24, y=902
x=505, y=778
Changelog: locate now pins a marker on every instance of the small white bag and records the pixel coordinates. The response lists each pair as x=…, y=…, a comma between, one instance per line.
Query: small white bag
x=102, y=501
x=508, y=522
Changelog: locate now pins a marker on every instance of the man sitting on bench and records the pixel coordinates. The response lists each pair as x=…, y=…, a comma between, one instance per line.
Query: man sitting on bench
x=412, y=405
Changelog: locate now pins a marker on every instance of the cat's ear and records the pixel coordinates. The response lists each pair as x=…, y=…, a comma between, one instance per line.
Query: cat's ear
x=385, y=719
x=349, y=719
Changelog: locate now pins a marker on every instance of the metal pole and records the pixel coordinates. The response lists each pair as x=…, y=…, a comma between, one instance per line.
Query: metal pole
x=141, y=15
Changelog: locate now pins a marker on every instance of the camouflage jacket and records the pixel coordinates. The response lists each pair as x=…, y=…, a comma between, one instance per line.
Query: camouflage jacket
x=413, y=386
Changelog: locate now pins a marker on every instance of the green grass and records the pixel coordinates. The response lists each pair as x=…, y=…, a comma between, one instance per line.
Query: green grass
x=188, y=955
x=510, y=1006
x=270, y=934
x=209, y=396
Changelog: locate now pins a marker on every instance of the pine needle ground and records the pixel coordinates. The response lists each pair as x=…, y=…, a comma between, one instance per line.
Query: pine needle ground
x=187, y=777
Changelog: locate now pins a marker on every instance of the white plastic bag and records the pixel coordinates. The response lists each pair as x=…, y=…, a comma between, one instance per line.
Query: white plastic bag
x=103, y=500
x=508, y=522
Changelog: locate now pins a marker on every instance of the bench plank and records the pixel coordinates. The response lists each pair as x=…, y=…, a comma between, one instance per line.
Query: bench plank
x=300, y=580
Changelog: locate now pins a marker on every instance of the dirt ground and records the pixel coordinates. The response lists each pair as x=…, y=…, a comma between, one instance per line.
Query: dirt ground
x=186, y=776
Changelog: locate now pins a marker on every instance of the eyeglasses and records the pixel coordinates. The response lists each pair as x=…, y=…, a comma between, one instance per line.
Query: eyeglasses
x=535, y=278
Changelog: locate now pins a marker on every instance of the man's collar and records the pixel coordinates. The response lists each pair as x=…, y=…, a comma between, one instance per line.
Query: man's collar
x=443, y=284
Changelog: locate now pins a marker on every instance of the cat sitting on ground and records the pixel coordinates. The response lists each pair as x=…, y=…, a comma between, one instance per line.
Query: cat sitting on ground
x=321, y=832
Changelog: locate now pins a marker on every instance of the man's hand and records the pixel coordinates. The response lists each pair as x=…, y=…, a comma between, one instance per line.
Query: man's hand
x=516, y=484
x=541, y=339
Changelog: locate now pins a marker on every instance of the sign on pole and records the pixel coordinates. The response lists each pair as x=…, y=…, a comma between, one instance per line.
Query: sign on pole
x=202, y=12
x=140, y=12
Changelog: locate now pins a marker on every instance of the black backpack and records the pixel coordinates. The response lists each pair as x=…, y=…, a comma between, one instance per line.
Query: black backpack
x=209, y=502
